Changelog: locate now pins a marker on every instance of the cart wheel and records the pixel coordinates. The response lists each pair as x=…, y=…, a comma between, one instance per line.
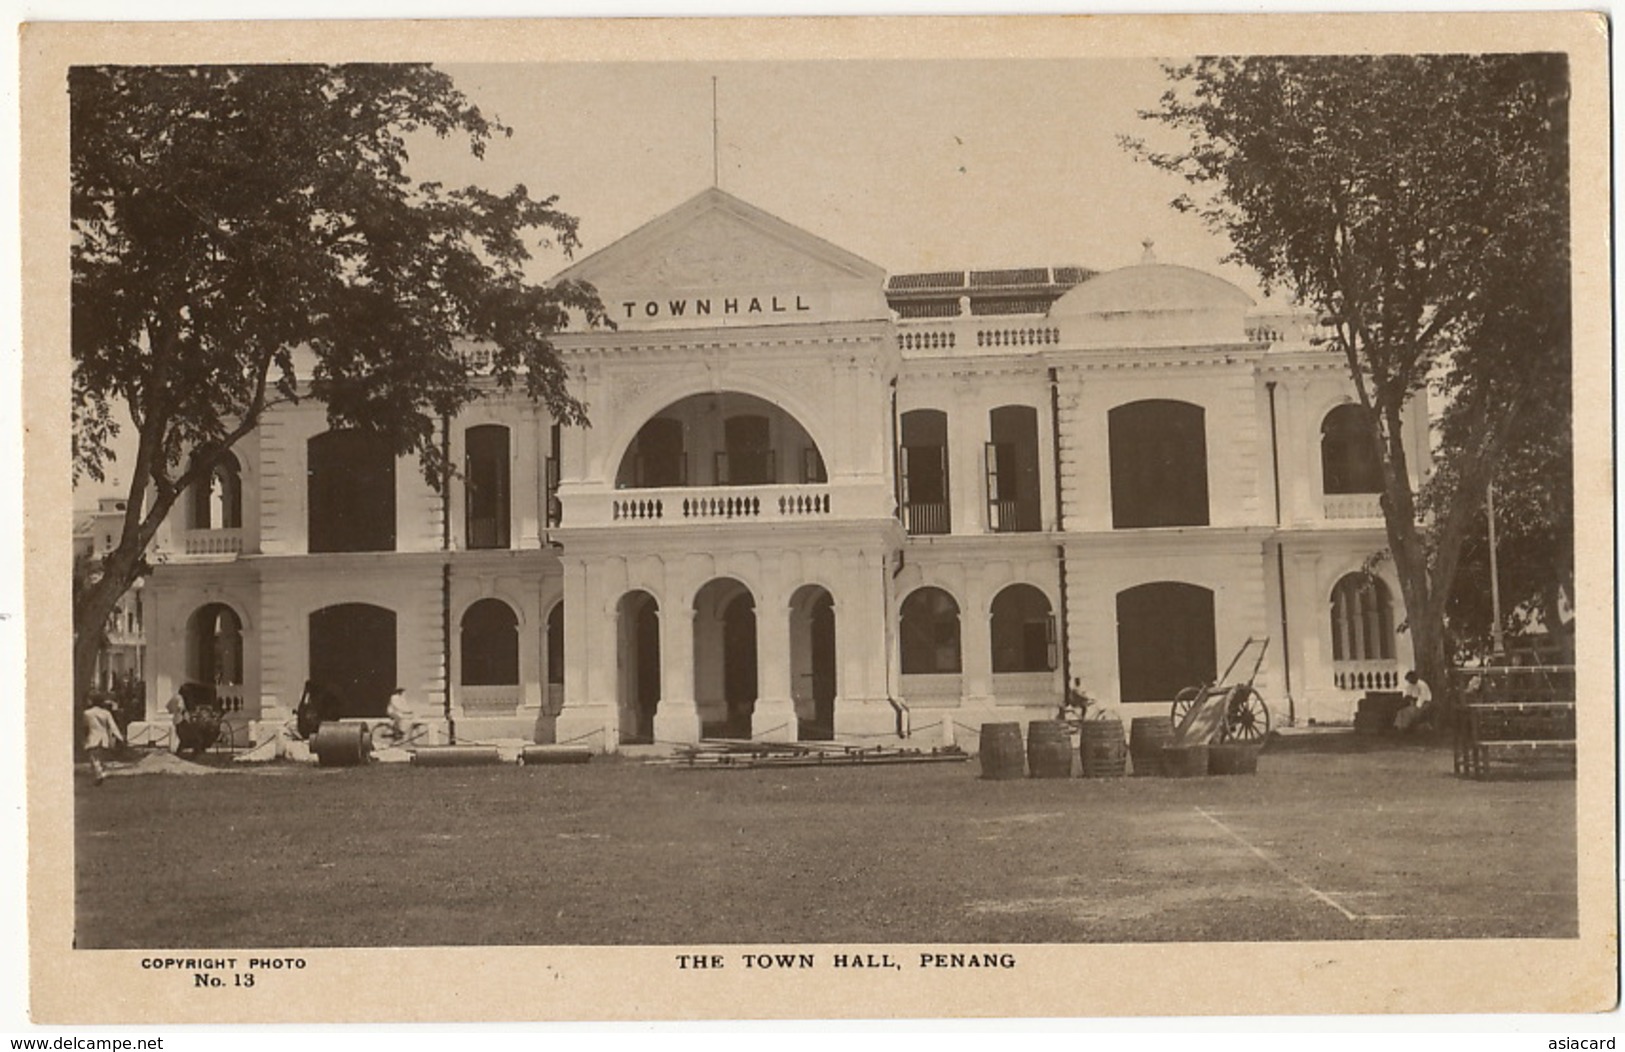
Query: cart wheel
x=1182, y=704
x=1248, y=720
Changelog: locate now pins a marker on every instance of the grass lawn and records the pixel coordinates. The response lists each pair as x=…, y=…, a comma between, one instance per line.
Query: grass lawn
x=1335, y=838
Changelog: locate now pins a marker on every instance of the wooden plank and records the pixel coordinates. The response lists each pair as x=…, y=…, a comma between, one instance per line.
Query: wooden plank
x=1205, y=718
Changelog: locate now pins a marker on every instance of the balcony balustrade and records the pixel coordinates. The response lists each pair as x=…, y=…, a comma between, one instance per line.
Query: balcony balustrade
x=212, y=542
x=1366, y=675
x=1343, y=506
x=971, y=335
x=701, y=505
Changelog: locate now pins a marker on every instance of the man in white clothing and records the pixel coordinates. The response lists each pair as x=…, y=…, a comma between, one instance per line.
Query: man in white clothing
x=1418, y=703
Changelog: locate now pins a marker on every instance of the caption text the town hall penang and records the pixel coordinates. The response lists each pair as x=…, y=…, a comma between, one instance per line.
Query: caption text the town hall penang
x=765, y=961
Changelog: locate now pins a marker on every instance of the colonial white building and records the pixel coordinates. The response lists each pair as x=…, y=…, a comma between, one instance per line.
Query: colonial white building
x=816, y=502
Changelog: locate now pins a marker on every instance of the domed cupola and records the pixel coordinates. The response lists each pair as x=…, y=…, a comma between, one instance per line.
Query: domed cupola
x=1152, y=304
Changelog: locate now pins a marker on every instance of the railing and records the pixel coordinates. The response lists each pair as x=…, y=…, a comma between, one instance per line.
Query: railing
x=502, y=700
x=1366, y=675
x=1353, y=505
x=971, y=335
x=927, y=340
x=1017, y=336
x=1012, y=516
x=212, y=542
x=719, y=503
x=921, y=519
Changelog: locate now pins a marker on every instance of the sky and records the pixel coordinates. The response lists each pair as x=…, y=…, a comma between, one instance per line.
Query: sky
x=920, y=165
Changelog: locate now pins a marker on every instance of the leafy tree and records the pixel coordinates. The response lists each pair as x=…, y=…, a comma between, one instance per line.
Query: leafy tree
x=1419, y=204
x=249, y=236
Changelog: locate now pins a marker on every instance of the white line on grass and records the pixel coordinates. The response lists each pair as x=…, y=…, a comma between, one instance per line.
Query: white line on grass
x=1288, y=874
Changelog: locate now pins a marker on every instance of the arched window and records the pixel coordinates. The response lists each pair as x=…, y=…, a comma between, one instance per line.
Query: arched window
x=490, y=645
x=217, y=499
x=1348, y=452
x=1158, y=464
x=1165, y=640
x=1362, y=619
x=485, y=485
x=929, y=636
x=923, y=469
x=1012, y=469
x=215, y=645
x=1023, y=631
x=352, y=493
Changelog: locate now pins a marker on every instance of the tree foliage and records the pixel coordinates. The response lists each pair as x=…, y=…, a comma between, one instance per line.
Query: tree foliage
x=1419, y=203
x=246, y=236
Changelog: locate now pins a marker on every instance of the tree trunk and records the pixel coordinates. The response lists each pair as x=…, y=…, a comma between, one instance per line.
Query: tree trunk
x=1424, y=615
x=91, y=609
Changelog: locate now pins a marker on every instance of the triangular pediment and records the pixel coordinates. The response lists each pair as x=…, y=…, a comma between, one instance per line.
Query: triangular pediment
x=717, y=260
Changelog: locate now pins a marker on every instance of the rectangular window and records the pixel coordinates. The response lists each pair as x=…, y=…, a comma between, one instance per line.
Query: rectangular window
x=485, y=486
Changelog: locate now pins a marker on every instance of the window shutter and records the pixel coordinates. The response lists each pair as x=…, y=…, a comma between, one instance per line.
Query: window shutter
x=990, y=458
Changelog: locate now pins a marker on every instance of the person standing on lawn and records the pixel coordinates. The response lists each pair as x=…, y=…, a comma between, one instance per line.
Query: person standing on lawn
x=1418, y=703
x=101, y=734
x=176, y=707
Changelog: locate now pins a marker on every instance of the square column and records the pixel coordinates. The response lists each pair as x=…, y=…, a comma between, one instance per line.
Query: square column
x=774, y=718
x=975, y=641
x=677, y=719
x=588, y=716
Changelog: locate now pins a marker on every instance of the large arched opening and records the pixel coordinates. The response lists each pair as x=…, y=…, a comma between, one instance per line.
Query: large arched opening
x=490, y=645
x=928, y=634
x=725, y=682
x=720, y=438
x=1022, y=631
x=216, y=500
x=1349, y=461
x=638, y=659
x=812, y=662
x=1362, y=624
x=214, y=647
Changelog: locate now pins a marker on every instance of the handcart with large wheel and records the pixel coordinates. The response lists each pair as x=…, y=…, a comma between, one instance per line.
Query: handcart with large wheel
x=1245, y=717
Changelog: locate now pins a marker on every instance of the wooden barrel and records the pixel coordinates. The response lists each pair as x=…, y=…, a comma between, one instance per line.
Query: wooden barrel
x=1101, y=749
x=1000, y=753
x=1146, y=737
x=1233, y=758
x=534, y=755
x=457, y=756
x=1049, y=749
x=342, y=744
x=1184, y=761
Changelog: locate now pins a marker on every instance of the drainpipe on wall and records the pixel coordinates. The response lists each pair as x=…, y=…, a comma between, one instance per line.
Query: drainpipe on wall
x=1060, y=527
x=1280, y=562
x=445, y=574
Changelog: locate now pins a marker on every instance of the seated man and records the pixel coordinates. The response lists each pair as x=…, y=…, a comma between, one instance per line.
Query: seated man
x=1418, y=703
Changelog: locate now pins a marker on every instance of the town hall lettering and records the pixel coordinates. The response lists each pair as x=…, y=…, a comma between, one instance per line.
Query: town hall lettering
x=703, y=306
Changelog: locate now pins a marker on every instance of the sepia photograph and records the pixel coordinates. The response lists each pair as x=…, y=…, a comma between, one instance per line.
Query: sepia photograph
x=833, y=518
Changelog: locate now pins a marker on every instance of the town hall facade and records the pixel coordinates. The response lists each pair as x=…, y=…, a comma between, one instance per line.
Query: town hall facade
x=814, y=502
